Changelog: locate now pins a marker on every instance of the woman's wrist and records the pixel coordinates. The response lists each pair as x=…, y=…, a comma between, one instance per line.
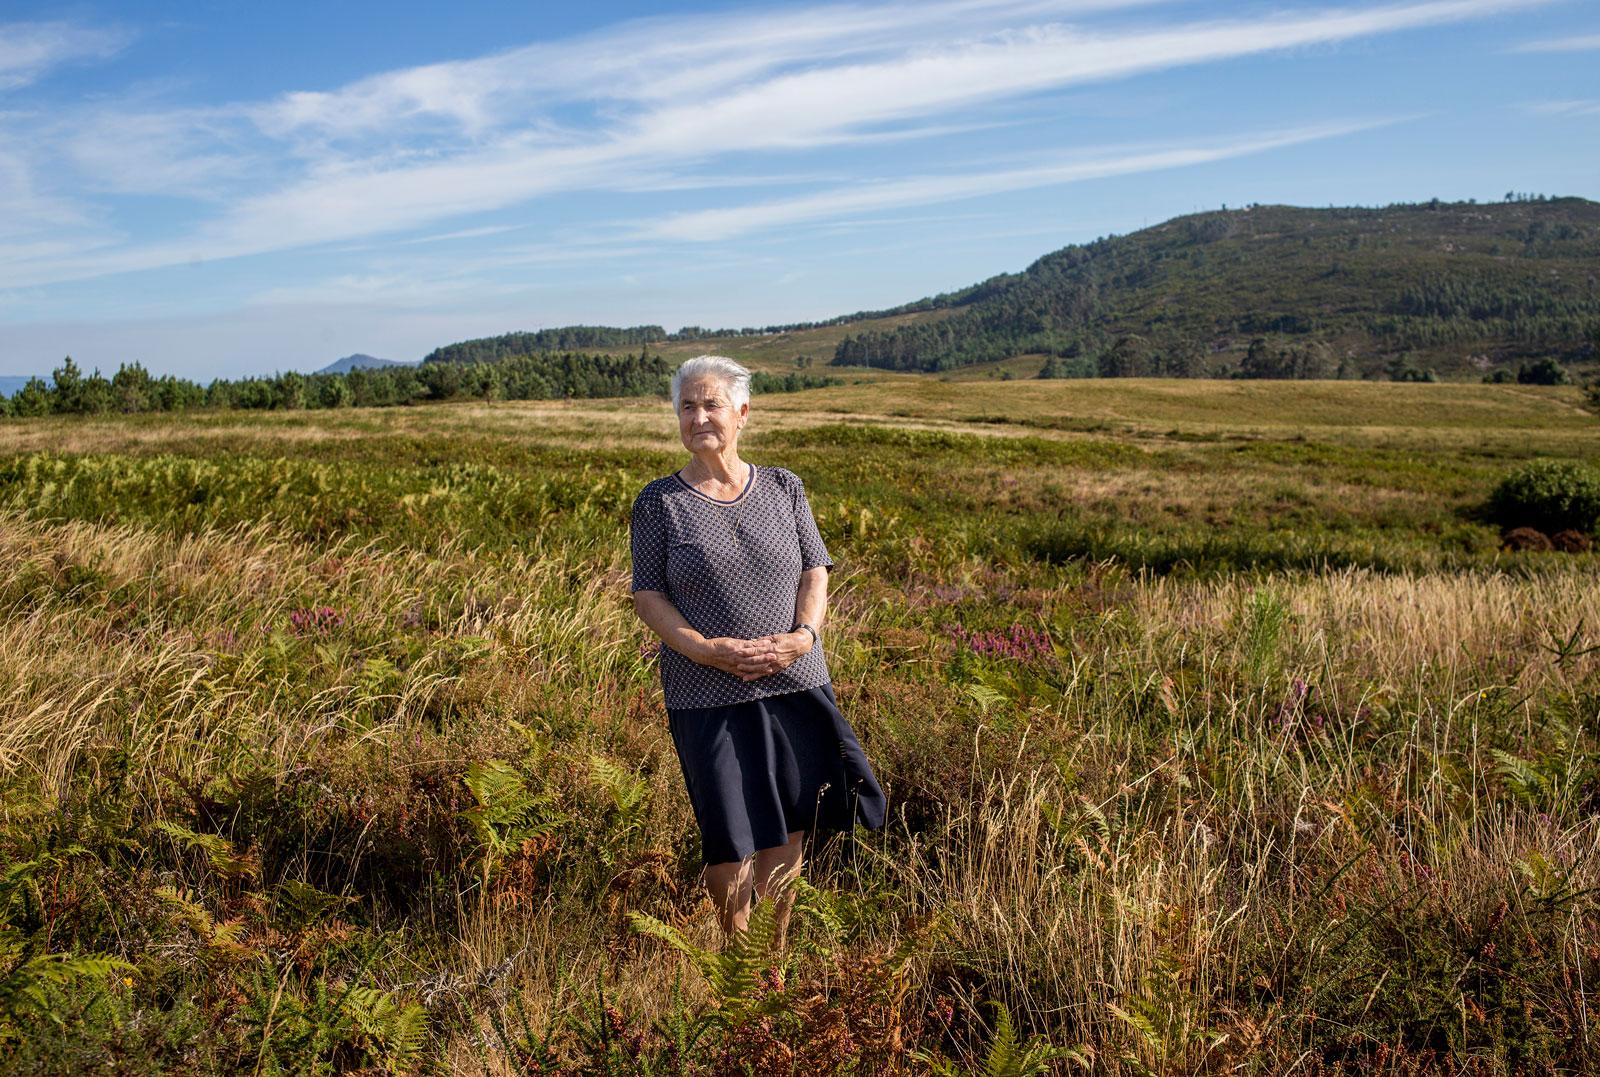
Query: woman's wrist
x=696, y=647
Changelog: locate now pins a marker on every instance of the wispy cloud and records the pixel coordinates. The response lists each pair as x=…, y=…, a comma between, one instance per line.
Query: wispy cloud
x=1565, y=108
x=720, y=224
x=638, y=104
x=1581, y=43
x=28, y=50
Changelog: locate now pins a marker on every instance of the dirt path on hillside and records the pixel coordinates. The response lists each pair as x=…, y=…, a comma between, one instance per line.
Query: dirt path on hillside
x=1526, y=395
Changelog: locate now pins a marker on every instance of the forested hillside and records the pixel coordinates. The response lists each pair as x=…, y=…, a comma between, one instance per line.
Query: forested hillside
x=1279, y=291
x=566, y=338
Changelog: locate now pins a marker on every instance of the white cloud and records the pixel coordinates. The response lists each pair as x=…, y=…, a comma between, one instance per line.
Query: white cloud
x=1565, y=108
x=28, y=50
x=652, y=61
x=720, y=224
x=412, y=149
x=194, y=153
x=1581, y=43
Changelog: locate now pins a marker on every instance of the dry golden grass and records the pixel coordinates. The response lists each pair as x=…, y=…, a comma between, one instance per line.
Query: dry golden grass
x=1225, y=812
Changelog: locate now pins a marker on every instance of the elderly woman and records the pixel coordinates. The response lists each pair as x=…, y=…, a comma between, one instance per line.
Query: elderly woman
x=730, y=571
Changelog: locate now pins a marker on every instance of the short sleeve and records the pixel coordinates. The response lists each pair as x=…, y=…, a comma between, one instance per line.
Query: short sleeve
x=648, y=538
x=812, y=552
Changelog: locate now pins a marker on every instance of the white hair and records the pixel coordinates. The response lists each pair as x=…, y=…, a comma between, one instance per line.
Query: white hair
x=736, y=377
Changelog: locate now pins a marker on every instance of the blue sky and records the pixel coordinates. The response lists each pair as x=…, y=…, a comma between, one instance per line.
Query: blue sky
x=227, y=188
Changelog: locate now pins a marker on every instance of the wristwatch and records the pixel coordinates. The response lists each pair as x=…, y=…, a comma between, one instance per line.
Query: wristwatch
x=801, y=624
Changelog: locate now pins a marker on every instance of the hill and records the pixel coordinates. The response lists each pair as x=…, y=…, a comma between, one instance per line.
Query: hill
x=1460, y=288
x=360, y=361
x=1282, y=291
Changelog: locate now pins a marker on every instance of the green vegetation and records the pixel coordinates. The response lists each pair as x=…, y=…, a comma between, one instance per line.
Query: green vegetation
x=1281, y=292
x=1549, y=496
x=542, y=376
x=1220, y=733
x=566, y=339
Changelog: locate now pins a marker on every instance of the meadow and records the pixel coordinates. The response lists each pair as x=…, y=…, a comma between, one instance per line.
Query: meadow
x=1220, y=734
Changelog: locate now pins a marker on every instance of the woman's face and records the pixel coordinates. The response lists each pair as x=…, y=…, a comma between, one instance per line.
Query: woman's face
x=707, y=420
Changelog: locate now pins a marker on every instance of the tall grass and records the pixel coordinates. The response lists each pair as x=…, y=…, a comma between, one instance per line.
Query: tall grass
x=337, y=751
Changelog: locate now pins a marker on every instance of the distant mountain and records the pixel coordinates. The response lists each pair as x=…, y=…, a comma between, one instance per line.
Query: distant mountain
x=11, y=383
x=1281, y=291
x=363, y=362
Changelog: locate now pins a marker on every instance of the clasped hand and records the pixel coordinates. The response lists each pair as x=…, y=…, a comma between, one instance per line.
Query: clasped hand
x=749, y=659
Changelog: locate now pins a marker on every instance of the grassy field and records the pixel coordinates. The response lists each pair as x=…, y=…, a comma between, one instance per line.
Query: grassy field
x=1220, y=735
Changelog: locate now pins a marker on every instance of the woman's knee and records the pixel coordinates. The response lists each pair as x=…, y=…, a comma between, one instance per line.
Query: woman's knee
x=728, y=878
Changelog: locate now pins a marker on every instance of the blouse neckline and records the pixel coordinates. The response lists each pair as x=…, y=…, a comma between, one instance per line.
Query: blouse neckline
x=749, y=484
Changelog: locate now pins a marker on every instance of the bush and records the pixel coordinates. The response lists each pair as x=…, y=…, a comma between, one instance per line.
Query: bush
x=1544, y=372
x=1548, y=495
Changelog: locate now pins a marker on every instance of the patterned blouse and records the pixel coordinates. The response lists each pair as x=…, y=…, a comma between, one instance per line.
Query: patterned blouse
x=732, y=568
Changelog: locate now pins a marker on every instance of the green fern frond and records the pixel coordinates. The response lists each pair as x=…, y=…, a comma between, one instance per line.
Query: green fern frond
x=747, y=955
x=190, y=911
x=734, y=973
x=626, y=789
x=35, y=988
x=1008, y=1056
x=300, y=904
x=817, y=904
x=217, y=850
x=394, y=1031
x=645, y=924
x=501, y=794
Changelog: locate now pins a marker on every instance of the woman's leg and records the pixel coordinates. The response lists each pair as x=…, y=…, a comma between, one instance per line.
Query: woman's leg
x=774, y=870
x=731, y=886
x=736, y=884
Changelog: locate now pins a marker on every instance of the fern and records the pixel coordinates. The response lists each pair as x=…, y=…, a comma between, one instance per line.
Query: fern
x=299, y=904
x=527, y=1053
x=42, y=987
x=626, y=789
x=506, y=814
x=629, y=798
x=219, y=854
x=1009, y=1056
x=386, y=1028
x=985, y=697
x=224, y=940
x=19, y=883
x=820, y=906
x=1167, y=1019
x=1265, y=618
x=734, y=974
x=1082, y=830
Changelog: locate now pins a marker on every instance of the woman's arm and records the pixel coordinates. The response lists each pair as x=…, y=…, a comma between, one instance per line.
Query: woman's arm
x=810, y=607
x=746, y=659
x=811, y=600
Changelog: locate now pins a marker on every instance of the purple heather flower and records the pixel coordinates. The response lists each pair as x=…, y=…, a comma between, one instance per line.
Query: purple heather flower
x=316, y=619
x=1019, y=642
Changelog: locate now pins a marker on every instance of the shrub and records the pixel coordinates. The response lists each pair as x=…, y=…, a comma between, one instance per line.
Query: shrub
x=1544, y=372
x=1548, y=495
x=1519, y=539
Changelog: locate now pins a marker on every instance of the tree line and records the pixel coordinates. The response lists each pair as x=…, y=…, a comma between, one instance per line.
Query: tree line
x=546, y=376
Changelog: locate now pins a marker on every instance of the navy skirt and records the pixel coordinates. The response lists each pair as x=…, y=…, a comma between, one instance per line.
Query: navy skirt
x=758, y=770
